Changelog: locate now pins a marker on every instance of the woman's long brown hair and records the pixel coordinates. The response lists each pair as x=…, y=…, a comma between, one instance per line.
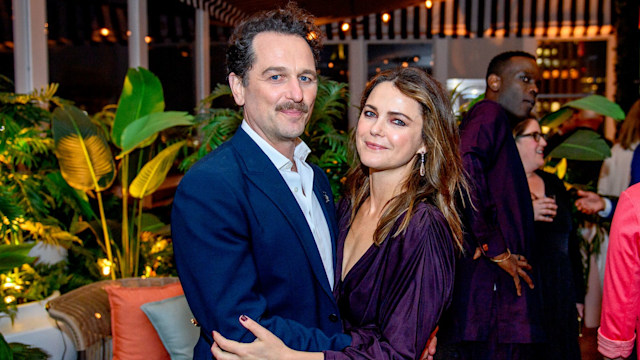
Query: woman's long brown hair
x=444, y=182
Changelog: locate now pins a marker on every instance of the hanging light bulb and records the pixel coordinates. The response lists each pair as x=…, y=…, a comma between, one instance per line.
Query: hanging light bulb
x=428, y=4
x=386, y=17
x=345, y=27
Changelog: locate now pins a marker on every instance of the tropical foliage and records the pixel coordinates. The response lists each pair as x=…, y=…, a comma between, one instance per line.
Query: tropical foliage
x=84, y=151
x=583, y=144
x=35, y=202
x=327, y=142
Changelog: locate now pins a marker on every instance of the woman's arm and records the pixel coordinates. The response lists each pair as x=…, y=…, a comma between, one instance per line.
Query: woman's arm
x=266, y=346
x=621, y=292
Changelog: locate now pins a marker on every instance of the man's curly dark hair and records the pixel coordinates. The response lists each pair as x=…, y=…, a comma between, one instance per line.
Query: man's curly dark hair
x=290, y=20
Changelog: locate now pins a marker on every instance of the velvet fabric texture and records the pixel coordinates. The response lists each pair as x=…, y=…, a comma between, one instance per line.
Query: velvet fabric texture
x=392, y=298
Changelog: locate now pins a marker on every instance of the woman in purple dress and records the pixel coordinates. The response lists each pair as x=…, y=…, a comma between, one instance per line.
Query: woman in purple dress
x=399, y=227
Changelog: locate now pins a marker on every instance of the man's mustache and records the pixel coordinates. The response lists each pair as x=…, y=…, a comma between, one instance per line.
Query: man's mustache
x=293, y=106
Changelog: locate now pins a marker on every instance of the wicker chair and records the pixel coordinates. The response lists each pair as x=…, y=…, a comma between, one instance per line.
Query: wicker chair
x=84, y=314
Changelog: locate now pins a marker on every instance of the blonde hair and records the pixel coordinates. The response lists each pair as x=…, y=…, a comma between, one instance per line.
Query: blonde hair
x=630, y=128
x=444, y=180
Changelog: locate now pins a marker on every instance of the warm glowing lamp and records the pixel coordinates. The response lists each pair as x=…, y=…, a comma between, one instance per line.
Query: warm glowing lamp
x=104, y=32
x=428, y=4
x=345, y=27
x=386, y=17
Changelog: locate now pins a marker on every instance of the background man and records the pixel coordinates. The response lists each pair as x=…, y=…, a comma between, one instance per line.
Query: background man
x=493, y=316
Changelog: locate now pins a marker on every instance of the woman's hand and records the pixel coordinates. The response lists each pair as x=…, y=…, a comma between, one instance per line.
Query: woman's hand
x=266, y=346
x=544, y=209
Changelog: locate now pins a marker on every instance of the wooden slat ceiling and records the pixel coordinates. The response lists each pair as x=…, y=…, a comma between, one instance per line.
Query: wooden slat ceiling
x=228, y=12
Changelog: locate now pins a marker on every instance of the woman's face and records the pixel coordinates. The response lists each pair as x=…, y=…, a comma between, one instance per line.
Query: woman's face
x=389, y=131
x=531, y=151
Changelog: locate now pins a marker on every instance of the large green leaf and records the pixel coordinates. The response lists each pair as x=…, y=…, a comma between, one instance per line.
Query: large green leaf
x=598, y=104
x=141, y=95
x=137, y=132
x=154, y=172
x=556, y=118
x=12, y=256
x=85, y=159
x=583, y=145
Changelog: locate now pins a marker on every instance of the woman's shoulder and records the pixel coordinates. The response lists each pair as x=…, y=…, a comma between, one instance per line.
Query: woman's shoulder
x=428, y=223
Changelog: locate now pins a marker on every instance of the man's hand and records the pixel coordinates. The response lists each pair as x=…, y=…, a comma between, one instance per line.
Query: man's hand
x=514, y=264
x=430, y=350
x=589, y=202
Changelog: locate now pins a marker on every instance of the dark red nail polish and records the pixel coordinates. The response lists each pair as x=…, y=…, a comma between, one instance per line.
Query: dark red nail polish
x=243, y=317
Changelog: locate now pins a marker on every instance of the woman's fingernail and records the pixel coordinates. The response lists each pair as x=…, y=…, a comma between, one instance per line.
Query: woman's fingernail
x=243, y=317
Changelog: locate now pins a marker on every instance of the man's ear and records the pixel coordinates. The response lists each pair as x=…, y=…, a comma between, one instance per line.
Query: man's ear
x=494, y=81
x=237, y=89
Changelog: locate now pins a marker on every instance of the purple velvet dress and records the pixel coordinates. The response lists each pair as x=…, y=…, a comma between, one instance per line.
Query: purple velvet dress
x=392, y=298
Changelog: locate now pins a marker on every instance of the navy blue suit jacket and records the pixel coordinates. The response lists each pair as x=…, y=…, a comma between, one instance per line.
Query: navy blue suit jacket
x=243, y=246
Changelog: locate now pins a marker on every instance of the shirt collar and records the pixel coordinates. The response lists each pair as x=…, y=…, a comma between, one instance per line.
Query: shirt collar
x=280, y=161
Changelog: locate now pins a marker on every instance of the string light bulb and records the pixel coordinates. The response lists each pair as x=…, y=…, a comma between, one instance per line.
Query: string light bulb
x=104, y=31
x=312, y=36
x=345, y=27
x=386, y=17
x=428, y=4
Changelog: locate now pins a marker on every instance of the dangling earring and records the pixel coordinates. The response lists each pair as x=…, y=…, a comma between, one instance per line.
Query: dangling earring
x=422, y=172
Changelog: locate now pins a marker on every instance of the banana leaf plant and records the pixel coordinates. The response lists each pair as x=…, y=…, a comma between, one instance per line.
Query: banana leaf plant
x=583, y=144
x=88, y=164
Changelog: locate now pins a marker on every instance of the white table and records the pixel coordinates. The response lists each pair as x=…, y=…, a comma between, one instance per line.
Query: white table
x=33, y=326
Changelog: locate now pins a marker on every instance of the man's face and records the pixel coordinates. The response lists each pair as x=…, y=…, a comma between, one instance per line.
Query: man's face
x=281, y=88
x=519, y=86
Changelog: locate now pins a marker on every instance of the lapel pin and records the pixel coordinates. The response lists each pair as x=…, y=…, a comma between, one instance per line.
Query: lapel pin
x=326, y=197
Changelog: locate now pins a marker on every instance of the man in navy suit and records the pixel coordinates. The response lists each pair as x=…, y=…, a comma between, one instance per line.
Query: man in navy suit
x=253, y=223
x=494, y=314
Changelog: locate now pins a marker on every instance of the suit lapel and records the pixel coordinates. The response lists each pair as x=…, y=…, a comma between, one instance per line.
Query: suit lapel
x=264, y=175
x=325, y=198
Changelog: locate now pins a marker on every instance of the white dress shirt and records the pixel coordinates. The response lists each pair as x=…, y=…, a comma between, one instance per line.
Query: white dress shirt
x=301, y=185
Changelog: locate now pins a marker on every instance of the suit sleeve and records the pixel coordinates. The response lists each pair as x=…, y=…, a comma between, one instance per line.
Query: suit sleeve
x=635, y=166
x=479, y=142
x=416, y=293
x=212, y=245
x=621, y=292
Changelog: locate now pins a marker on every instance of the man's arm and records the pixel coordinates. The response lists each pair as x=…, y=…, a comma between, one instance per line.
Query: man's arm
x=480, y=142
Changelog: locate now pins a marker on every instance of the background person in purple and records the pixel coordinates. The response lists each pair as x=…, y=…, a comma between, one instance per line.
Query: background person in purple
x=495, y=310
x=398, y=226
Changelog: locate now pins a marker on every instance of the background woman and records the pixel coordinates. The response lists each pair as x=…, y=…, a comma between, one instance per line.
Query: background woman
x=552, y=215
x=399, y=228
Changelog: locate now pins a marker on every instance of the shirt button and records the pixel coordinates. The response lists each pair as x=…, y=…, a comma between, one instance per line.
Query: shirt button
x=295, y=189
x=333, y=318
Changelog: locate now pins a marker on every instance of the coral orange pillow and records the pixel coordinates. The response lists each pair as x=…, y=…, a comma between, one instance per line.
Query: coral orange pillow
x=133, y=335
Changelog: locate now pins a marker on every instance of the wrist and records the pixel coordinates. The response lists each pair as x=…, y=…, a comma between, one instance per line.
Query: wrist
x=501, y=257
